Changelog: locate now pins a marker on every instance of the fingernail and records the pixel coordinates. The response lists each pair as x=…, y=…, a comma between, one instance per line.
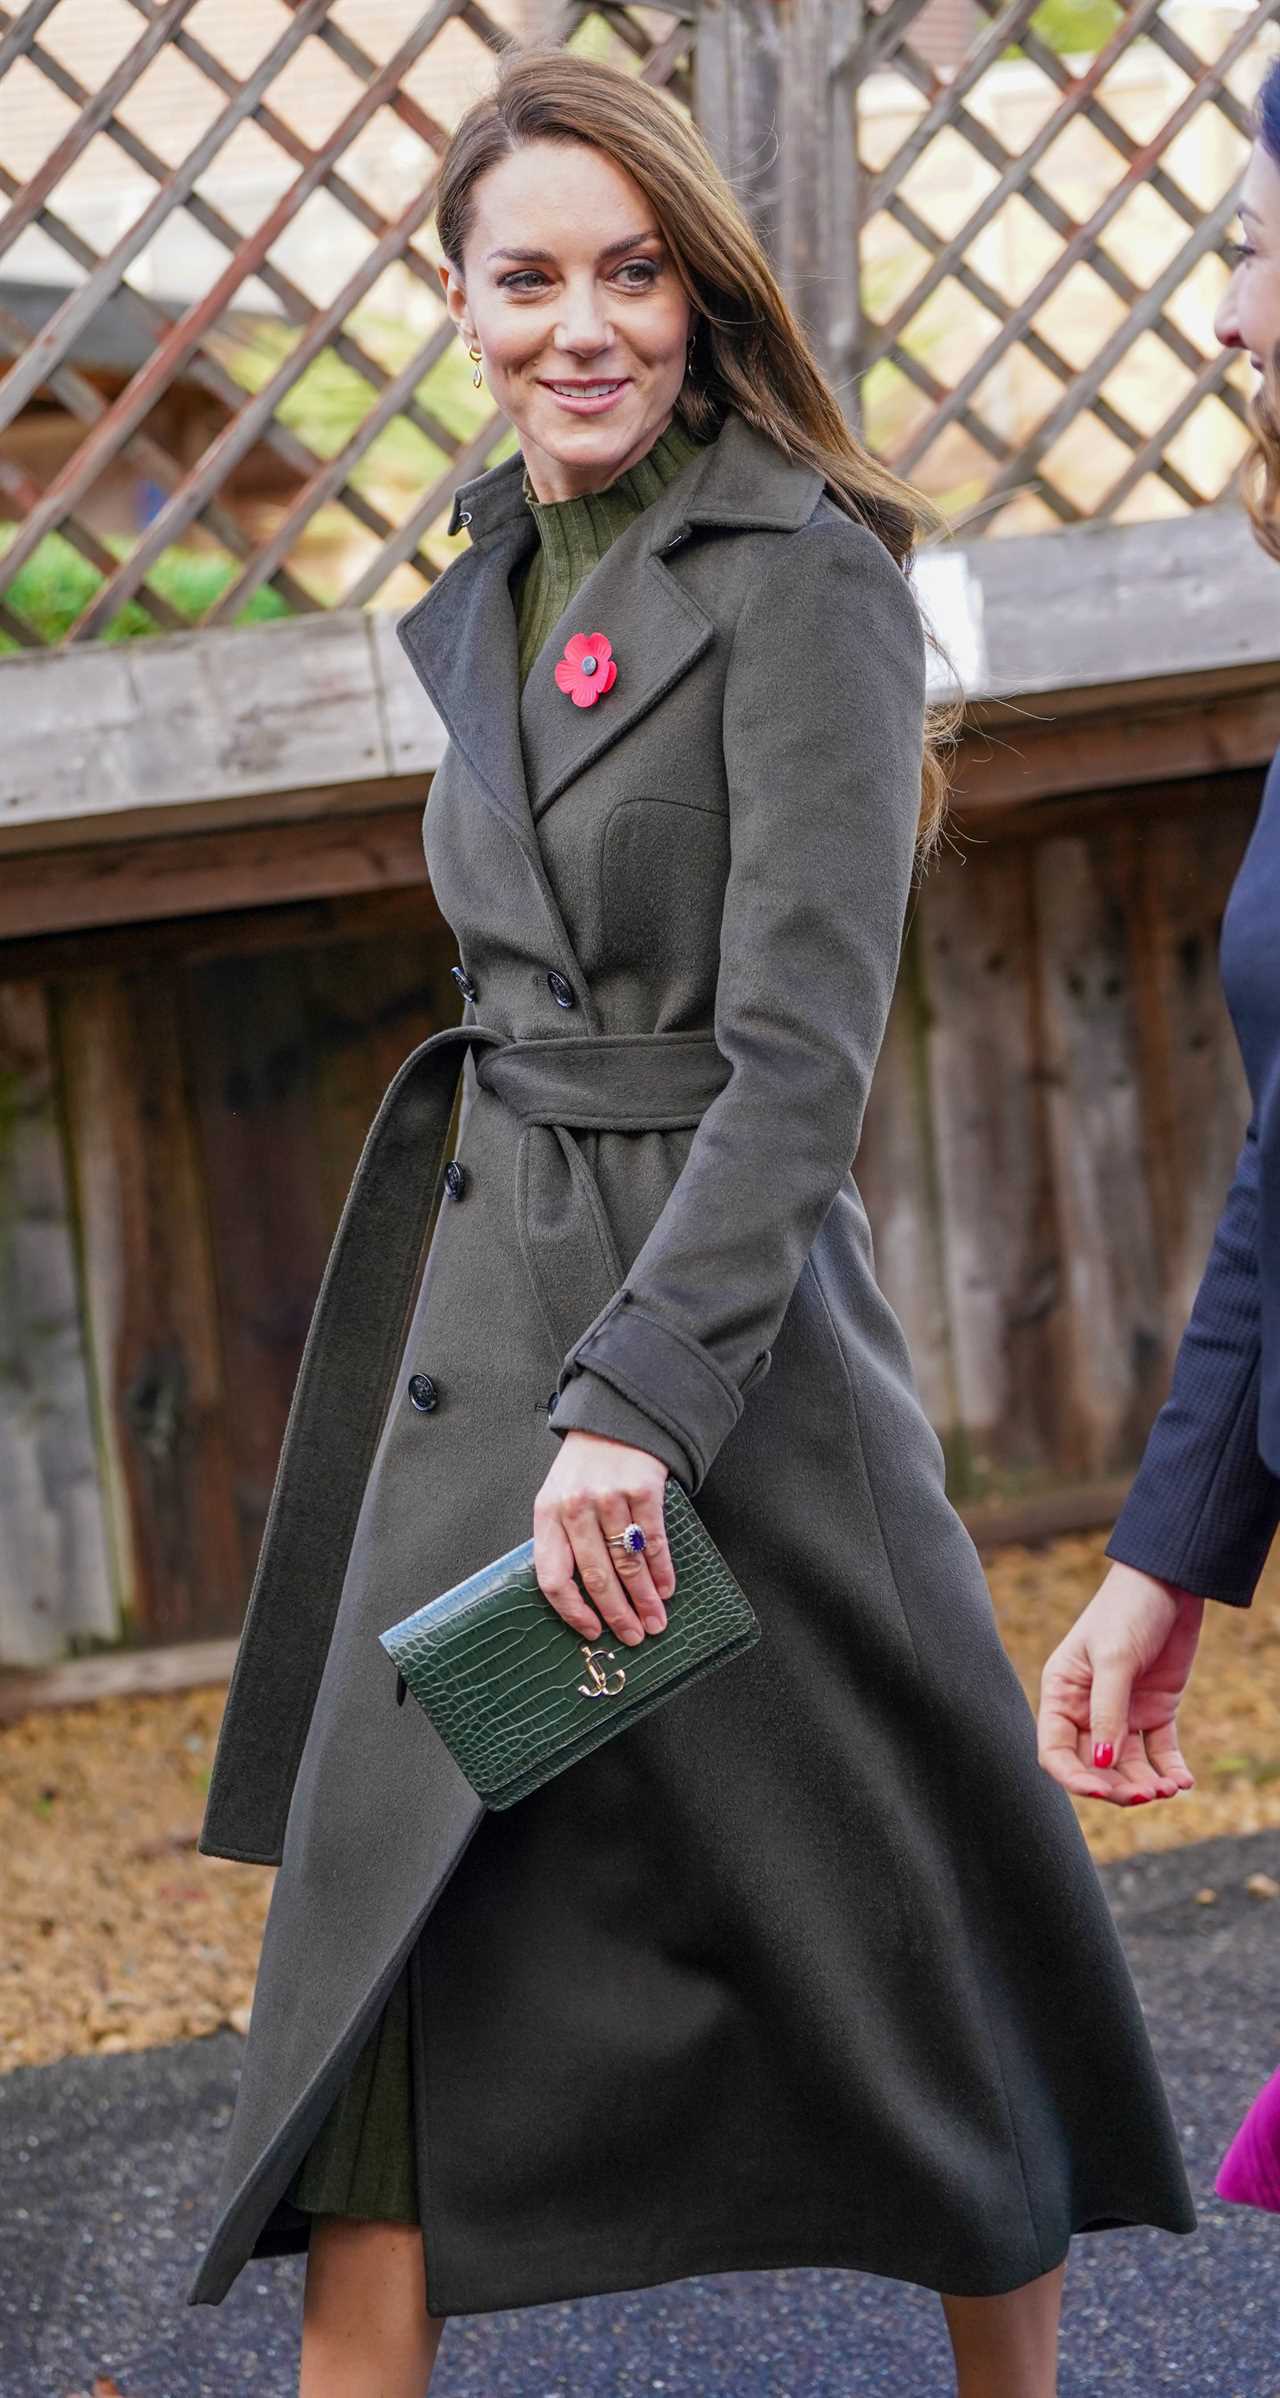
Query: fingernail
x=1104, y=1754
x=655, y=1621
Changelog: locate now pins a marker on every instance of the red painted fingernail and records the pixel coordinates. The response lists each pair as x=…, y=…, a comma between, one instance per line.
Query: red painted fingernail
x=1104, y=1754
x=1139, y=1798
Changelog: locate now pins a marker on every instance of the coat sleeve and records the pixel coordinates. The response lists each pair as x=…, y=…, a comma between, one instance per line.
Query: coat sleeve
x=1204, y=1508
x=823, y=728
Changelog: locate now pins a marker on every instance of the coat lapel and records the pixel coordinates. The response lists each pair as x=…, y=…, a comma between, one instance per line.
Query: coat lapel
x=461, y=638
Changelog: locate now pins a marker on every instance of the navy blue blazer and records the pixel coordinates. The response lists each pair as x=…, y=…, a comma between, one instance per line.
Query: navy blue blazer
x=1204, y=1508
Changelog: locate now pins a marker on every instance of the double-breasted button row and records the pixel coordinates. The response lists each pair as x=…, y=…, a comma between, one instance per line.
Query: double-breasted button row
x=464, y=982
x=455, y=1179
x=423, y=1393
x=561, y=988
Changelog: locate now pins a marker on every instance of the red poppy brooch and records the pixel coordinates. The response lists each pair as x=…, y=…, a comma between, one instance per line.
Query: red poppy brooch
x=587, y=668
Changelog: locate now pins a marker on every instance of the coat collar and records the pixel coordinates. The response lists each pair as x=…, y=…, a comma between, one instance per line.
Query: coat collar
x=461, y=638
x=739, y=479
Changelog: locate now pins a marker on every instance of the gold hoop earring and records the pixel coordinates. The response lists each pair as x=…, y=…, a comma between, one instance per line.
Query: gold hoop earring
x=475, y=352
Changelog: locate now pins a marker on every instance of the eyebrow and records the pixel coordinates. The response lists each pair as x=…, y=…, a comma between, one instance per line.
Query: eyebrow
x=1251, y=213
x=614, y=249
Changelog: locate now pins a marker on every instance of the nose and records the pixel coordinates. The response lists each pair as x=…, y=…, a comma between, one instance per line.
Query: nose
x=583, y=325
x=1226, y=324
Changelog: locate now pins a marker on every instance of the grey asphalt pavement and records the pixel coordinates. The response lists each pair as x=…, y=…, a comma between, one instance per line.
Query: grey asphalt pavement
x=107, y=2163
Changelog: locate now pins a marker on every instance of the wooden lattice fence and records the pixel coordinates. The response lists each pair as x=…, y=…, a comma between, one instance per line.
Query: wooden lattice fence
x=232, y=385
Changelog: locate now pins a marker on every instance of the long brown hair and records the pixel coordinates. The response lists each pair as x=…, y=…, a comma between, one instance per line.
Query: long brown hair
x=750, y=352
x=1260, y=471
x=1260, y=468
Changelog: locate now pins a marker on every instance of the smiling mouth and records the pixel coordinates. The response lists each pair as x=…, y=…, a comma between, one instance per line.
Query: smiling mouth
x=587, y=391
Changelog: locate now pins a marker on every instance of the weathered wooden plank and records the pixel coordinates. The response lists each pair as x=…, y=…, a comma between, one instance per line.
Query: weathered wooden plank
x=1017, y=760
x=129, y=1673
x=1114, y=1352
x=998, y=1230
x=373, y=916
x=1196, y=1097
x=291, y=1052
x=55, y=1584
x=139, y=728
x=111, y=740
x=266, y=1194
x=149, y=1289
x=179, y=874
x=1097, y=605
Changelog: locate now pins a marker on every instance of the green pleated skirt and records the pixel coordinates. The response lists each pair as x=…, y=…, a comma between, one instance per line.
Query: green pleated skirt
x=361, y=2161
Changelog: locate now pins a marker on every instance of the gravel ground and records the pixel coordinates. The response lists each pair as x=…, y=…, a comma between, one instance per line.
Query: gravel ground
x=118, y=1937
x=108, y=2174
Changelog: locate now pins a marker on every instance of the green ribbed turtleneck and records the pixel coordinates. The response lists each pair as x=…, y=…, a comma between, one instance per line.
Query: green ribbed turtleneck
x=573, y=535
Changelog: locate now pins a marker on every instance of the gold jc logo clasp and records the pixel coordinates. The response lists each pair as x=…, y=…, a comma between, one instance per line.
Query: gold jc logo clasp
x=598, y=1685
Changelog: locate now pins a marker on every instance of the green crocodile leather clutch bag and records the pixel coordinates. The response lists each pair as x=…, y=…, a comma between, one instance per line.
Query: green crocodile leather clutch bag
x=516, y=1696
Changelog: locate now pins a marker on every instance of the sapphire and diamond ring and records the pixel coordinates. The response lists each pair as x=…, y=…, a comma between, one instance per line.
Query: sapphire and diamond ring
x=631, y=1541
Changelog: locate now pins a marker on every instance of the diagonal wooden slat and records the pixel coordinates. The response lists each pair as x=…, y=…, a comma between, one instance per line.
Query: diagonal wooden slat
x=236, y=438
x=135, y=402
x=293, y=300
x=80, y=399
x=330, y=479
x=1015, y=176
x=1011, y=26
x=1151, y=459
x=154, y=323
x=1052, y=426
x=22, y=33
x=93, y=116
x=80, y=307
x=403, y=544
x=1082, y=246
x=1036, y=346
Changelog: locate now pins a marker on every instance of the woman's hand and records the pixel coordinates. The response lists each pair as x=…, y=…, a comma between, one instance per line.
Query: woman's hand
x=598, y=1486
x=1109, y=1694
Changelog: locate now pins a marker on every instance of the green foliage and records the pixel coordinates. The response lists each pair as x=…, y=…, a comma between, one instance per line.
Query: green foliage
x=1077, y=25
x=56, y=584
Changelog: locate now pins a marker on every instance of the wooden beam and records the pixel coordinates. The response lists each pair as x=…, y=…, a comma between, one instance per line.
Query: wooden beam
x=1014, y=759
x=123, y=740
x=307, y=717
x=259, y=865
x=128, y=1674
x=376, y=916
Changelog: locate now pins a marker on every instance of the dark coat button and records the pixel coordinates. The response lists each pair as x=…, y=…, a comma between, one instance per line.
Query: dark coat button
x=455, y=1179
x=423, y=1393
x=561, y=989
x=463, y=981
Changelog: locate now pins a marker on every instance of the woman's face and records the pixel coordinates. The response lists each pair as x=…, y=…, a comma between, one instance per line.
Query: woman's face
x=1248, y=315
x=577, y=308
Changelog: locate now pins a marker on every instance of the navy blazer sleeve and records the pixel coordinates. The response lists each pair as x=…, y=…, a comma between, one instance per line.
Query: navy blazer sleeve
x=1204, y=1508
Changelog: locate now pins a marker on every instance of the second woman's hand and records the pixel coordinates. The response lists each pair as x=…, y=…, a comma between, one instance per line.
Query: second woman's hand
x=597, y=1487
x=1110, y=1692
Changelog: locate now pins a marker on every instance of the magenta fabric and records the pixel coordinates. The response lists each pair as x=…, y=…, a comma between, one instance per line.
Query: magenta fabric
x=1250, y=2171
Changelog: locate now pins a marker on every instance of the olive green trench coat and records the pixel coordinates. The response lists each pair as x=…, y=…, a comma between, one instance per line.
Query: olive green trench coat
x=811, y=1967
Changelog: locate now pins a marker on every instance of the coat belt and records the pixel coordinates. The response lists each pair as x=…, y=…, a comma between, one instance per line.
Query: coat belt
x=614, y=1082
x=609, y=1082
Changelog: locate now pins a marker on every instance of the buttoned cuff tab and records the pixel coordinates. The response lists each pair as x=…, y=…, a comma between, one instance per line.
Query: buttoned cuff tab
x=589, y=1405
x=664, y=1373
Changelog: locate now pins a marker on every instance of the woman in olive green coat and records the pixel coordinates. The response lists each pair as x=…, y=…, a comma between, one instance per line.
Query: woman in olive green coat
x=810, y=1967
